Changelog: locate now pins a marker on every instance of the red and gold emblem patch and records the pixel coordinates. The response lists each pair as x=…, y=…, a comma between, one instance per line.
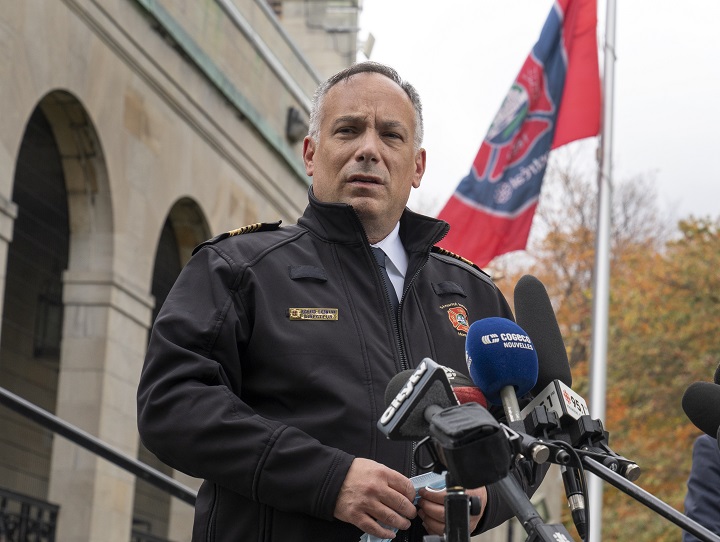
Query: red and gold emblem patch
x=459, y=318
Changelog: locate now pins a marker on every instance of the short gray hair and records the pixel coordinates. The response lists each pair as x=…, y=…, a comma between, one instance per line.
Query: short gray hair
x=365, y=67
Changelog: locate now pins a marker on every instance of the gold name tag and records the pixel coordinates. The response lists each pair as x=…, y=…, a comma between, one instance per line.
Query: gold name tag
x=313, y=314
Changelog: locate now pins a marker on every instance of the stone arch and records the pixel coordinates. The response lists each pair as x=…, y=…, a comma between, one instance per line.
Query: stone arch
x=37, y=256
x=86, y=180
x=97, y=366
x=185, y=227
x=61, y=215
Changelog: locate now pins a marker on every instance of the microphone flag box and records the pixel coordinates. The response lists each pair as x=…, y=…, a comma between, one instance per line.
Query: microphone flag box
x=405, y=417
x=561, y=399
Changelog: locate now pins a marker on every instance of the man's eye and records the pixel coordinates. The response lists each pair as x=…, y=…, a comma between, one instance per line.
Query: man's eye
x=393, y=135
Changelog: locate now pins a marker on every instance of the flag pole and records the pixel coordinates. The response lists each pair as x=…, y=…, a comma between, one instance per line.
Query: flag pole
x=601, y=287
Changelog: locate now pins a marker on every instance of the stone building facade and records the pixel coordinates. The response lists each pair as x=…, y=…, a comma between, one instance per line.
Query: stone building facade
x=131, y=131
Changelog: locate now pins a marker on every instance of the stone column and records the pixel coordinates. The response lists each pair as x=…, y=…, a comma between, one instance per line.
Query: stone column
x=105, y=331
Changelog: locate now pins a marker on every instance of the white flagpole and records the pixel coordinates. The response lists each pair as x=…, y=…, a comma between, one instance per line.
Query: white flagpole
x=601, y=287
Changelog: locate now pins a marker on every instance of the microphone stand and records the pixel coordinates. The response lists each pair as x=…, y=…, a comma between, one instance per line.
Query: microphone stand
x=462, y=434
x=649, y=500
x=458, y=508
x=525, y=512
x=589, y=440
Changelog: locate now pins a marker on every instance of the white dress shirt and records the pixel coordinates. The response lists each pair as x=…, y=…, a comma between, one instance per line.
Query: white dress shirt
x=396, y=259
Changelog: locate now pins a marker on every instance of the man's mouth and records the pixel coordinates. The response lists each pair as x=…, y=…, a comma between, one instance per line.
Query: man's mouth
x=361, y=179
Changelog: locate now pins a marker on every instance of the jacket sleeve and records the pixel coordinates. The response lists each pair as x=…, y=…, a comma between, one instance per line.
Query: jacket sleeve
x=190, y=410
x=702, y=502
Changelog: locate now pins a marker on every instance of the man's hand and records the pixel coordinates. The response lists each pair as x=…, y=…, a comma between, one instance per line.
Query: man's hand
x=373, y=494
x=432, y=509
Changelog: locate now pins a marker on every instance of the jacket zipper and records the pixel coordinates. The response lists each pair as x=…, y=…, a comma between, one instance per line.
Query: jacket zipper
x=404, y=364
x=404, y=361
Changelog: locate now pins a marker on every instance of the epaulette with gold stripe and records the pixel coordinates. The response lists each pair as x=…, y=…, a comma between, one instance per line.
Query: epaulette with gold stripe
x=251, y=228
x=445, y=252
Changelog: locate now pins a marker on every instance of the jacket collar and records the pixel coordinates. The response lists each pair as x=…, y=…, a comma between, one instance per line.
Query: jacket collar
x=339, y=223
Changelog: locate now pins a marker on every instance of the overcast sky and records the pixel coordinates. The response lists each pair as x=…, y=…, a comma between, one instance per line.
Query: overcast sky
x=463, y=55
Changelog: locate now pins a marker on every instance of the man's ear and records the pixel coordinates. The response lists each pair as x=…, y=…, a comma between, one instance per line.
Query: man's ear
x=308, y=155
x=419, y=168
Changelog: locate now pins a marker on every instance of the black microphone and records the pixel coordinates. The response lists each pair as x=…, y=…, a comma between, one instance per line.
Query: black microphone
x=413, y=399
x=462, y=437
x=522, y=444
x=423, y=404
x=535, y=314
x=463, y=387
x=701, y=404
x=503, y=362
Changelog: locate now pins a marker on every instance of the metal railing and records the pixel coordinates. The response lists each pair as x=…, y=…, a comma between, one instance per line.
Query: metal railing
x=25, y=518
x=32, y=512
x=141, y=532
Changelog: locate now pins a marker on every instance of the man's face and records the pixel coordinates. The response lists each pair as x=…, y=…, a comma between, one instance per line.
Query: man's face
x=364, y=154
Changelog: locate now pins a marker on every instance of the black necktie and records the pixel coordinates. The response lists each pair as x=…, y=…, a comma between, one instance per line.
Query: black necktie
x=380, y=257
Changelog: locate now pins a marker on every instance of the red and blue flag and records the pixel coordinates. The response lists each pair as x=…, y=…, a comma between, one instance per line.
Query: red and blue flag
x=554, y=100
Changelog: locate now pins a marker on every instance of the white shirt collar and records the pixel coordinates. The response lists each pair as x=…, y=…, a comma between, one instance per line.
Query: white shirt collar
x=396, y=254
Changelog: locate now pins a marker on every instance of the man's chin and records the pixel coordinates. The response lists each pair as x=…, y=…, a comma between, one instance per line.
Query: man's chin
x=378, y=221
x=368, y=208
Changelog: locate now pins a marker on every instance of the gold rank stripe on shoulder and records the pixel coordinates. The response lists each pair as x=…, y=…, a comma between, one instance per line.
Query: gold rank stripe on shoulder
x=453, y=255
x=308, y=313
x=252, y=228
x=445, y=252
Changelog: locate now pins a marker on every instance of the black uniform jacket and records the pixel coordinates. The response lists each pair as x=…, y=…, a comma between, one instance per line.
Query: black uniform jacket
x=268, y=362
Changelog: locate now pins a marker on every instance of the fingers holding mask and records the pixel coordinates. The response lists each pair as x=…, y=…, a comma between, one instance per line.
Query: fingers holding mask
x=375, y=499
x=431, y=509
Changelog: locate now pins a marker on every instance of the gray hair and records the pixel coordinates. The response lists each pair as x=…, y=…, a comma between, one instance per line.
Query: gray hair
x=365, y=67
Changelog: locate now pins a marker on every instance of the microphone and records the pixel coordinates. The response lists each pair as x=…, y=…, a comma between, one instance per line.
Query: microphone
x=467, y=392
x=413, y=400
x=463, y=434
x=534, y=313
x=502, y=362
x=423, y=404
x=553, y=391
x=701, y=404
x=464, y=388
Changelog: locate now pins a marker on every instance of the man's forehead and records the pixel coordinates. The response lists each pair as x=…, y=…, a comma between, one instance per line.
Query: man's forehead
x=368, y=78
x=363, y=89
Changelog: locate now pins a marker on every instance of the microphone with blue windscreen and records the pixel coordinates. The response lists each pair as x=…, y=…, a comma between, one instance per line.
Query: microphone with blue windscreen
x=502, y=362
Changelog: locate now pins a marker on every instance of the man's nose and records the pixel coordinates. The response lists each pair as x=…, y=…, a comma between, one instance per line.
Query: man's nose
x=368, y=147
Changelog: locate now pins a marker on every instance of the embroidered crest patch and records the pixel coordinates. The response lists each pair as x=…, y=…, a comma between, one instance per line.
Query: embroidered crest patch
x=458, y=317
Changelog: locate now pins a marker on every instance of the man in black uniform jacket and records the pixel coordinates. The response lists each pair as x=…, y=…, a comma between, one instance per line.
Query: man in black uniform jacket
x=267, y=365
